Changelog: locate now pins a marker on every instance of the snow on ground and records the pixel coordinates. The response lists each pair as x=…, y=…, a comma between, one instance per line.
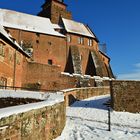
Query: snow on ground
x=87, y=120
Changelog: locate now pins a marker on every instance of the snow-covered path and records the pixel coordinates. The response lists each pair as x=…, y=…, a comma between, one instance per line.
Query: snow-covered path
x=87, y=120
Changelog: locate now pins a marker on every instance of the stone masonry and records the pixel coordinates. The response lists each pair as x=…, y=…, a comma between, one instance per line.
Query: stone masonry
x=83, y=93
x=41, y=124
x=125, y=95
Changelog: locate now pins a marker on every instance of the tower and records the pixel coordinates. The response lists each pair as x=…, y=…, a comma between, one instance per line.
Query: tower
x=54, y=9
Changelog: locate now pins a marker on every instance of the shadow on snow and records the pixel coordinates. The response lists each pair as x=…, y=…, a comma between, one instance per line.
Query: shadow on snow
x=95, y=103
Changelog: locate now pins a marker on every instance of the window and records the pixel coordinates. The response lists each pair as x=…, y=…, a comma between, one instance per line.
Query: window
x=37, y=34
x=80, y=40
x=18, y=59
x=50, y=61
x=68, y=38
x=10, y=55
x=2, y=49
x=37, y=41
x=90, y=42
x=3, y=82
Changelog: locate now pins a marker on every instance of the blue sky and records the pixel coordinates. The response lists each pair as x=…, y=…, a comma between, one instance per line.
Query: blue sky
x=115, y=22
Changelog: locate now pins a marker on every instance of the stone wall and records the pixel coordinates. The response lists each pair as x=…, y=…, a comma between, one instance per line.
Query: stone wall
x=73, y=95
x=42, y=123
x=125, y=95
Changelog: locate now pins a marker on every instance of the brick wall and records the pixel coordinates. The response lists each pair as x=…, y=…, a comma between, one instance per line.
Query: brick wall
x=125, y=95
x=72, y=95
x=58, y=10
x=47, y=76
x=45, y=47
x=50, y=77
x=54, y=10
x=11, y=65
x=57, y=50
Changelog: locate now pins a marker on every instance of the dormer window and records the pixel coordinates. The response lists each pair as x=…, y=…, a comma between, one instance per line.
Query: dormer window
x=80, y=40
x=90, y=42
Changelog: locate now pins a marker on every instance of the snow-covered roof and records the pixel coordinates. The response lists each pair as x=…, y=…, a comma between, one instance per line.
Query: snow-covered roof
x=9, y=37
x=17, y=20
x=77, y=28
x=56, y=26
x=4, y=33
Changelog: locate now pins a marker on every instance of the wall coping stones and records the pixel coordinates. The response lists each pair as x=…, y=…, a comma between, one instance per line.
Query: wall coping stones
x=106, y=78
x=87, y=76
x=97, y=77
x=66, y=73
x=77, y=75
x=75, y=89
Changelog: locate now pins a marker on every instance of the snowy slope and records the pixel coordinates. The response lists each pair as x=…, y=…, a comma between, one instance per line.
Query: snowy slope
x=87, y=120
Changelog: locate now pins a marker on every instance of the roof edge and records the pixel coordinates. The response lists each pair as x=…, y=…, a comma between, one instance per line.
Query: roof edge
x=104, y=54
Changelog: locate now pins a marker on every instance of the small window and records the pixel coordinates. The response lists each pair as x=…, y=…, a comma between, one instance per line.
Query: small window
x=90, y=42
x=37, y=41
x=2, y=49
x=80, y=40
x=50, y=61
x=11, y=55
x=18, y=59
x=68, y=38
x=37, y=34
x=3, y=82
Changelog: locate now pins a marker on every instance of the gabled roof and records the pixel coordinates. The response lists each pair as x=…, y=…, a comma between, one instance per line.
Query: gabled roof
x=77, y=28
x=9, y=39
x=17, y=20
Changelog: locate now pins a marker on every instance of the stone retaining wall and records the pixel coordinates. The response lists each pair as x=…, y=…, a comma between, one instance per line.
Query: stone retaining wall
x=75, y=94
x=125, y=95
x=43, y=122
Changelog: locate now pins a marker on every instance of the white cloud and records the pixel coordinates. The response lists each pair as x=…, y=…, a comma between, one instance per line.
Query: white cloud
x=137, y=65
x=134, y=75
x=129, y=76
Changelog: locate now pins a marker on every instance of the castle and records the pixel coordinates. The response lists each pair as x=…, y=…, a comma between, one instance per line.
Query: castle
x=50, y=51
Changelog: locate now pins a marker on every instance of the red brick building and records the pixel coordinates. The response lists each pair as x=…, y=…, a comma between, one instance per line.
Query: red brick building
x=62, y=50
x=11, y=60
